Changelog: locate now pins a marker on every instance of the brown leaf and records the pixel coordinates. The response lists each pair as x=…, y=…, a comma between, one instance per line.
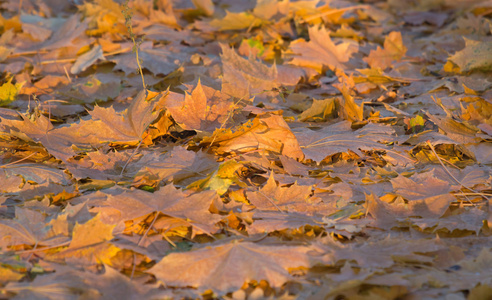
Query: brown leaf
x=179, y=166
x=267, y=132
x=158, y=60
x=393, y=50
x=105, y=126
x=235, y=21
x=321, y=51
x=90, y=244
x=245, y=78
x=294, y=198
x=29, y=228
x=339, y=137
x=380, y=253
x=64, y=36
x=205, y=109
x=168, y=201
x=87, y=59
x=270, y=221
x=420, y=186
x=225, y=268
x=475, y=56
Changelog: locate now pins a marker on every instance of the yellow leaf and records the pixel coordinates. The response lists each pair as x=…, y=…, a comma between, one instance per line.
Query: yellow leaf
x=221, y=179
x=9, y=92
x=236, y=21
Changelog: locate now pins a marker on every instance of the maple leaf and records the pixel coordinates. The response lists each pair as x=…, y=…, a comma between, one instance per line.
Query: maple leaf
x=105, y=126
x=205, y=109
x=267, y=132
x=220, y=180
x=414, y=188
x=105, y=17
x=25, y=230
x=102, y=87
x=225, y=268
x=349, y=110
x=236, y=21
x=393, y=50
x=179, y=166
x=463, y=219
x=421, y=204
x=63, y=284
x=364, y=173
x=475, y=56
x=244, y=78
x=460, y=131
x=131, y=124
x=99, y=165
x=33, y=181
x=320, y=110
x=388, y=249
x=156, y=60
x=64, y=36
x=270, y=221
x=339, y=137
x=90, y=244
x=321, y=51
x=205, y=6
x=168, y=201
x=273, y=197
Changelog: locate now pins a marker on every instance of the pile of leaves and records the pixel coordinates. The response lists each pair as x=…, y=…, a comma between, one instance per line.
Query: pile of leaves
x=272, y=149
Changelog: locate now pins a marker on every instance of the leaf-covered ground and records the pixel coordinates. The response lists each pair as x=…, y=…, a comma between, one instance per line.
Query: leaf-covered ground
x=287, y=149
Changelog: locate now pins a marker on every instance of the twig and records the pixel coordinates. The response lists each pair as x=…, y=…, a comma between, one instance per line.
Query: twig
x=148, y=229
x=18, y=161
x=131, y=156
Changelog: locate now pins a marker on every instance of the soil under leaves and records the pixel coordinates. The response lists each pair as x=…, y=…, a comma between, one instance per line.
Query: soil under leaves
x=281, y=149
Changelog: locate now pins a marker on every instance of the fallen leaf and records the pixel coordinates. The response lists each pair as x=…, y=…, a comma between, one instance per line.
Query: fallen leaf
x=236, y=21
x=267, y=132
x=225, y=268
x=168, y=201
x=245, y=78
x=205, y=109
x=339, y=137
x=321, y=51
x=475, y=56
x=87, y=59
x=294, y=198
x=393, y=50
